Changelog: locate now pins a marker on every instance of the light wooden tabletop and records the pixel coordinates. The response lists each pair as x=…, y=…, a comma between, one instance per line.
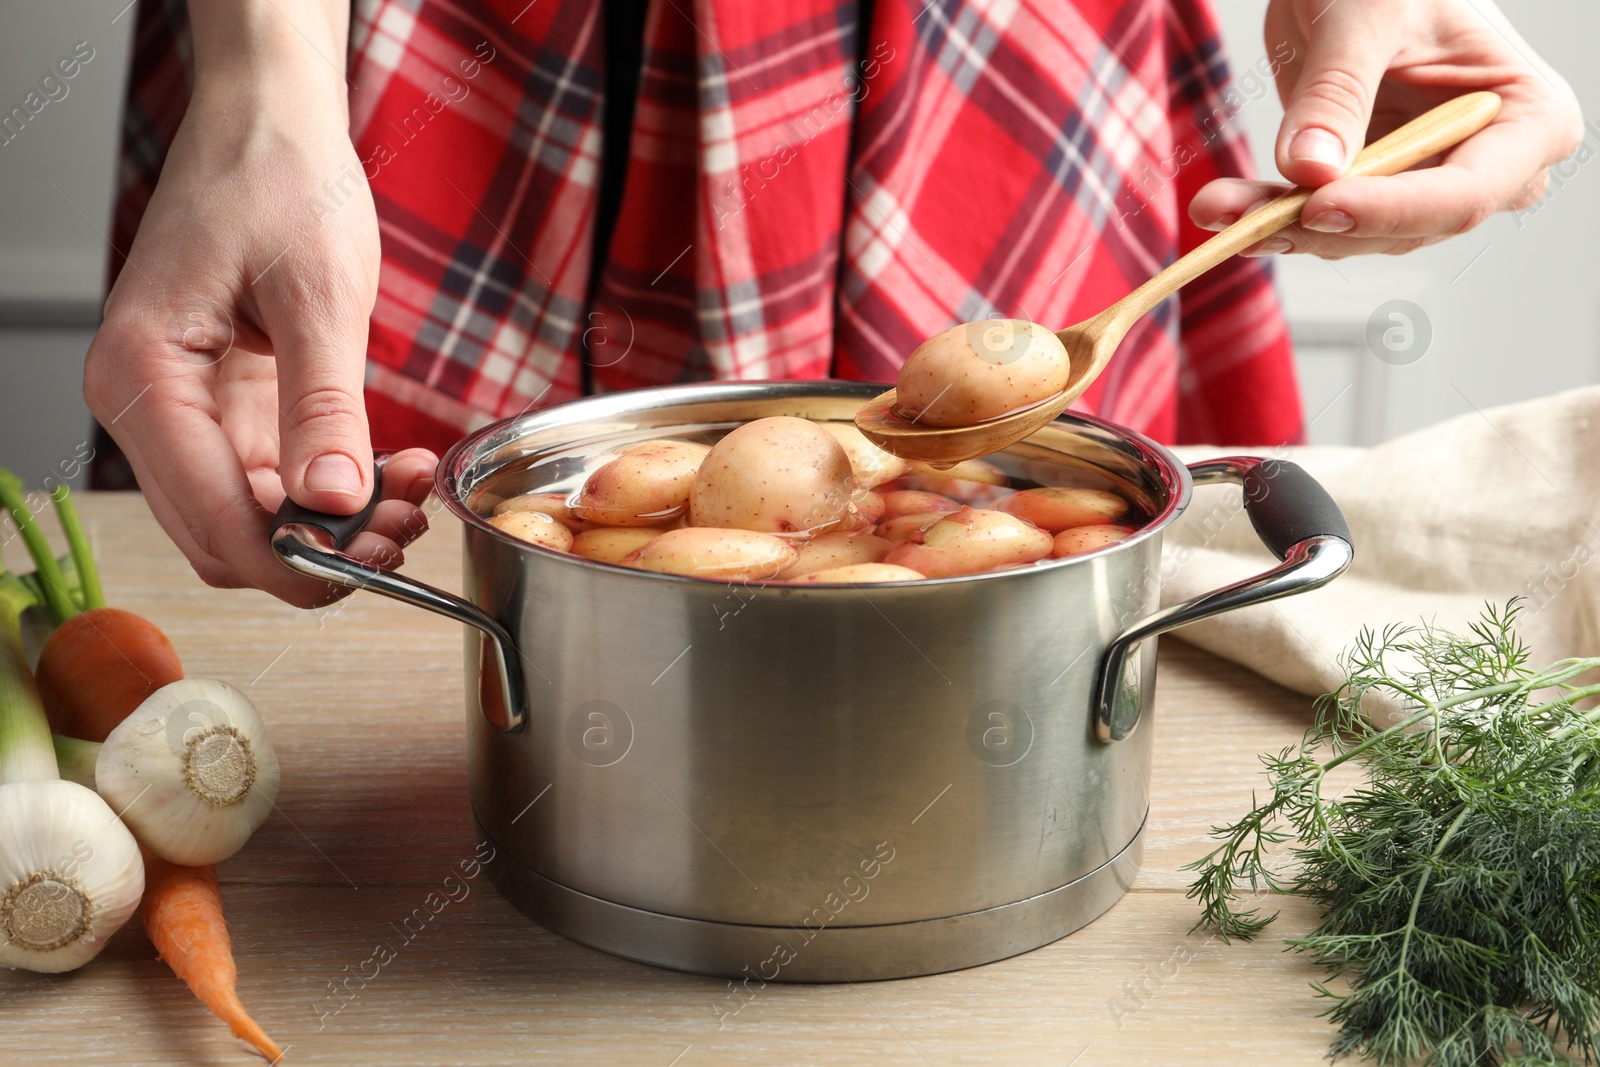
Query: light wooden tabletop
x=365, y=707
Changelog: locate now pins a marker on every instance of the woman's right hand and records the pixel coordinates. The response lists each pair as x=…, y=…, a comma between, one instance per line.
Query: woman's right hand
x=229, y=363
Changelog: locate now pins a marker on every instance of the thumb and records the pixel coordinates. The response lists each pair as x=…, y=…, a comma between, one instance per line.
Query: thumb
x=324, y=445
x=1328, y=109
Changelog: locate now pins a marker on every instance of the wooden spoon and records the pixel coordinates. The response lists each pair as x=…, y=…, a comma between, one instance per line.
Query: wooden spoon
x=1091, y=343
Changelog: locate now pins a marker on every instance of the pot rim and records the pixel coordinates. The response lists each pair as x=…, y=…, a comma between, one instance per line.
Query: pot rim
x=447, y=476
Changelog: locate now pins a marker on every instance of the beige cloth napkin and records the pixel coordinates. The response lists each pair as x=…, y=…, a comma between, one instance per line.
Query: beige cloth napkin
x=1482, y=507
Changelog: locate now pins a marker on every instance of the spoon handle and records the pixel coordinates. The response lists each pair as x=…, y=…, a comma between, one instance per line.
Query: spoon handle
x=1426, y=135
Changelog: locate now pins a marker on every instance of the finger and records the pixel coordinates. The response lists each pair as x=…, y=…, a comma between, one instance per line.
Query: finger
x=407, y=481
x=398, y=521
x=267, y=486
x=205, y=501
x=374, y=548
x=319, y=337
x=409, y=475
x=1329, y=107
x=1297, y=241
x=246, y=388
x=211, y=570
x=112, y=395
x=1224, y=201
x=1500, y=168
x=395, y=524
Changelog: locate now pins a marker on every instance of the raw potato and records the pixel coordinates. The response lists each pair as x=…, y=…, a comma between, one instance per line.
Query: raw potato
x=665, y=444
x=699, y=552
x=909, y=527
x=871, y=464
x=929, y=478
x=613, y=544
x=970, y=541
x=552, y=504
x=915, y=502
x=981, y=370
x=832, y=550
x=775, y=475
x=973, y=482
x=1057, y=509
x=866, y=508
x=646, y=485
x=1082, y=539
x=862, y=572
x=534, y=527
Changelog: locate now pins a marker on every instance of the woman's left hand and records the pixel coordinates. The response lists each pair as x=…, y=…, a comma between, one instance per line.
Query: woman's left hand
x=1360, y=68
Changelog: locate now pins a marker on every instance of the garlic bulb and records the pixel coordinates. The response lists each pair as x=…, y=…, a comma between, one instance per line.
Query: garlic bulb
x=70, y=875
x=191, y=771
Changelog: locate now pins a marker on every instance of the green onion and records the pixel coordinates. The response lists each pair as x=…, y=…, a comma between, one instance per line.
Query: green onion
x=76, y=759
x=54, y=585
x=58, y=912
x=15, y=598
x=26, y=754
x=33, y=586
x=82, y=555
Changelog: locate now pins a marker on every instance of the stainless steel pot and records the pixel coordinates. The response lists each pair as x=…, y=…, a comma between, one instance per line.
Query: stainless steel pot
x=820, y=783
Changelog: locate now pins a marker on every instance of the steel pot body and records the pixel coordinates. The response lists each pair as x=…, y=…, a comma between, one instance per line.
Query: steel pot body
x=812, y=783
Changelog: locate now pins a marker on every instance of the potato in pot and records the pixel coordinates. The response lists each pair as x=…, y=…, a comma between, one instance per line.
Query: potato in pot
x=972, y=540
x=1057, y=509
x=779, y=475
x=534, y=527
x=646, y=485
x=832, y=550
x=731, y=555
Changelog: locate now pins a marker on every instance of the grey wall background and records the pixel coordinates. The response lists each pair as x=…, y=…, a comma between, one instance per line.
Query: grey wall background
x=1514, y=306
x=54, y=218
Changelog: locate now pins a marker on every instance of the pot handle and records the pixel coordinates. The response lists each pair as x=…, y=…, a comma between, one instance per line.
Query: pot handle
x=312, y=543
x=1294, y=517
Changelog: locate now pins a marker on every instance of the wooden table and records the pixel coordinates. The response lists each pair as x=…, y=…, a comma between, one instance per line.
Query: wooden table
x=365, y=705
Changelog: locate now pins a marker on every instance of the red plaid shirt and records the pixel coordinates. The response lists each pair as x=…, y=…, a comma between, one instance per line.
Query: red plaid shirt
x=798, y=202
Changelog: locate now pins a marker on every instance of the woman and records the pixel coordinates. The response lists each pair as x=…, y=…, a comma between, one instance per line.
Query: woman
x=396, y=225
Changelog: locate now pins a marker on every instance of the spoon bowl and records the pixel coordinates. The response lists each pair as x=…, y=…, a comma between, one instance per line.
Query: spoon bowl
x=1091, y=344
x=943, y=445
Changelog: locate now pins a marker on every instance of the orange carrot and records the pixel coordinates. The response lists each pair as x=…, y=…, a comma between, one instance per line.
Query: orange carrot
x=182, y=913
x=98, y=667
x=100, y=663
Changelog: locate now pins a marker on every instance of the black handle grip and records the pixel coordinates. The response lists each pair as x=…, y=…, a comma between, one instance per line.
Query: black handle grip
x=342, y=528
x=1287, y=506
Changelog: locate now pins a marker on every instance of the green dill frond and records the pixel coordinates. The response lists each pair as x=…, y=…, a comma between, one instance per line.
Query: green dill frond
x=1459, y=881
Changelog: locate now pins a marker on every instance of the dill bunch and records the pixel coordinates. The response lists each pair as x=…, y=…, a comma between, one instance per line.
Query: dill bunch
x=1459, y=882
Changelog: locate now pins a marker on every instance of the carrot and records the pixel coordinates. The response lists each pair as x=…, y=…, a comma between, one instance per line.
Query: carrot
x=95, y=670
x=100, y=665
x=182, y=913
